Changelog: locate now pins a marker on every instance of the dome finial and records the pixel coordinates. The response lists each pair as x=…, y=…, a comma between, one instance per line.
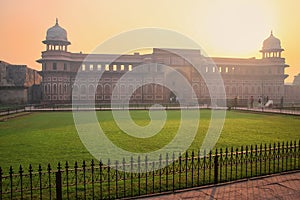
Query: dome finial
x=56, y=21
x=272, y=32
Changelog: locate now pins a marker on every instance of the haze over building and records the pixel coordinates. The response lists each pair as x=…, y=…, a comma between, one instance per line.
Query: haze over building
x=243, y=78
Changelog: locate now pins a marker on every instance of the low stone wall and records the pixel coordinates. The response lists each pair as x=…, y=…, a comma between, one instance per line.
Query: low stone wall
x=13, y=95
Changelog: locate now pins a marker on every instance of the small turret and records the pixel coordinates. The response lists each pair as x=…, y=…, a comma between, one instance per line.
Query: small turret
x=271, y=47
x=56, y=38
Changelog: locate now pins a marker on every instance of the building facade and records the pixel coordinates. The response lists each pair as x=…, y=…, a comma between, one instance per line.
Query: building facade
x=19, y=84
x=292, y=92
x=244, y=79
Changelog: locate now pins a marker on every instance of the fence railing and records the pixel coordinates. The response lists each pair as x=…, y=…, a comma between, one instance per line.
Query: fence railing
x=12, y=110
x=124, y=179
x=295, y=109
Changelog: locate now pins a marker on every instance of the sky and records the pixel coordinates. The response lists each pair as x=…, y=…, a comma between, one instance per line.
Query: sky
x=223, y=28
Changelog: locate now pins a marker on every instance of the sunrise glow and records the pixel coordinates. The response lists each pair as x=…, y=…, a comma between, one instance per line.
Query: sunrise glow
x=223, y=28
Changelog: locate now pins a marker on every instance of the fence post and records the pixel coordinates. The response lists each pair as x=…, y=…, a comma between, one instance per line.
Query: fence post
x=216, y=167
x=84, y=178
x=124, y=177
x=146, y=165
x=139, y=175
x=58, y=183
x=179, y=170
x=131, y=176
x=286, y=156
x=40, y=180
x=67, y=178
x=221, y=164
x=167, y=170
x=193, y=168
x=153, y=176
x=117, y=191
x=298, y=153
x=21, y=180
x=11, y=172
x=31, y=181
x=186, y=169
x=0, y=183
x=101, y=179
x=49, y=179
x=108, y=178
x=204, y=166
x=93, y=180
x=198, y=168
x=173, y=172
x=160, y=160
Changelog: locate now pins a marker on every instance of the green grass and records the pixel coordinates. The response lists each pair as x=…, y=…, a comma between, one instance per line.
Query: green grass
x=51, y=137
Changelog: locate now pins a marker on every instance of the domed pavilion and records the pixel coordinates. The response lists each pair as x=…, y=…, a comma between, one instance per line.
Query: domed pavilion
x=56, y=38
x=271, y=47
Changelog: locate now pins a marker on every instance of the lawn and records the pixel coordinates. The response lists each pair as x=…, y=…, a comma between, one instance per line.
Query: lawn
x=51, y=137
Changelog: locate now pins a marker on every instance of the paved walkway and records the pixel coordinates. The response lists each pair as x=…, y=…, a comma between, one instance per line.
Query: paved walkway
x=270, y=110
x=31, y=109
x=285, y=186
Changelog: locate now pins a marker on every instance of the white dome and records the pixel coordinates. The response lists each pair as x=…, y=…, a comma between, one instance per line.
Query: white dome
x=57, y=33
x=271, y=43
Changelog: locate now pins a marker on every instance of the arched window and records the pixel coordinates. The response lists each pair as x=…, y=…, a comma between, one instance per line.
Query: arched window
x=116, y=89
x=83, y=89
x=227, y=89
x=91, y=90
x=54, y=88
x=49, y=88
x=233, y=90
x=196, y=88
x=123, y=89
x=150, y=88
x=246, y=90
x=99, y=89
x=75, y=88
x=60, y=91
x=240, y=90
x=107, y=89
x=65, y=88
x=130, y=89
x=158, y=89
x=252, y=90
x=138, y=90
x=258, y=90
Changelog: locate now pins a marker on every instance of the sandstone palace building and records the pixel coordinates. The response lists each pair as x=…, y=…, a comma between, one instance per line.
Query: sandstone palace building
x=244, y=78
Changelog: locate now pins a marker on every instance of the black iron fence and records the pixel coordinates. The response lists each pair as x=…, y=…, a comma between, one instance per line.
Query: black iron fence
x=127, y=179
x=12, y=110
